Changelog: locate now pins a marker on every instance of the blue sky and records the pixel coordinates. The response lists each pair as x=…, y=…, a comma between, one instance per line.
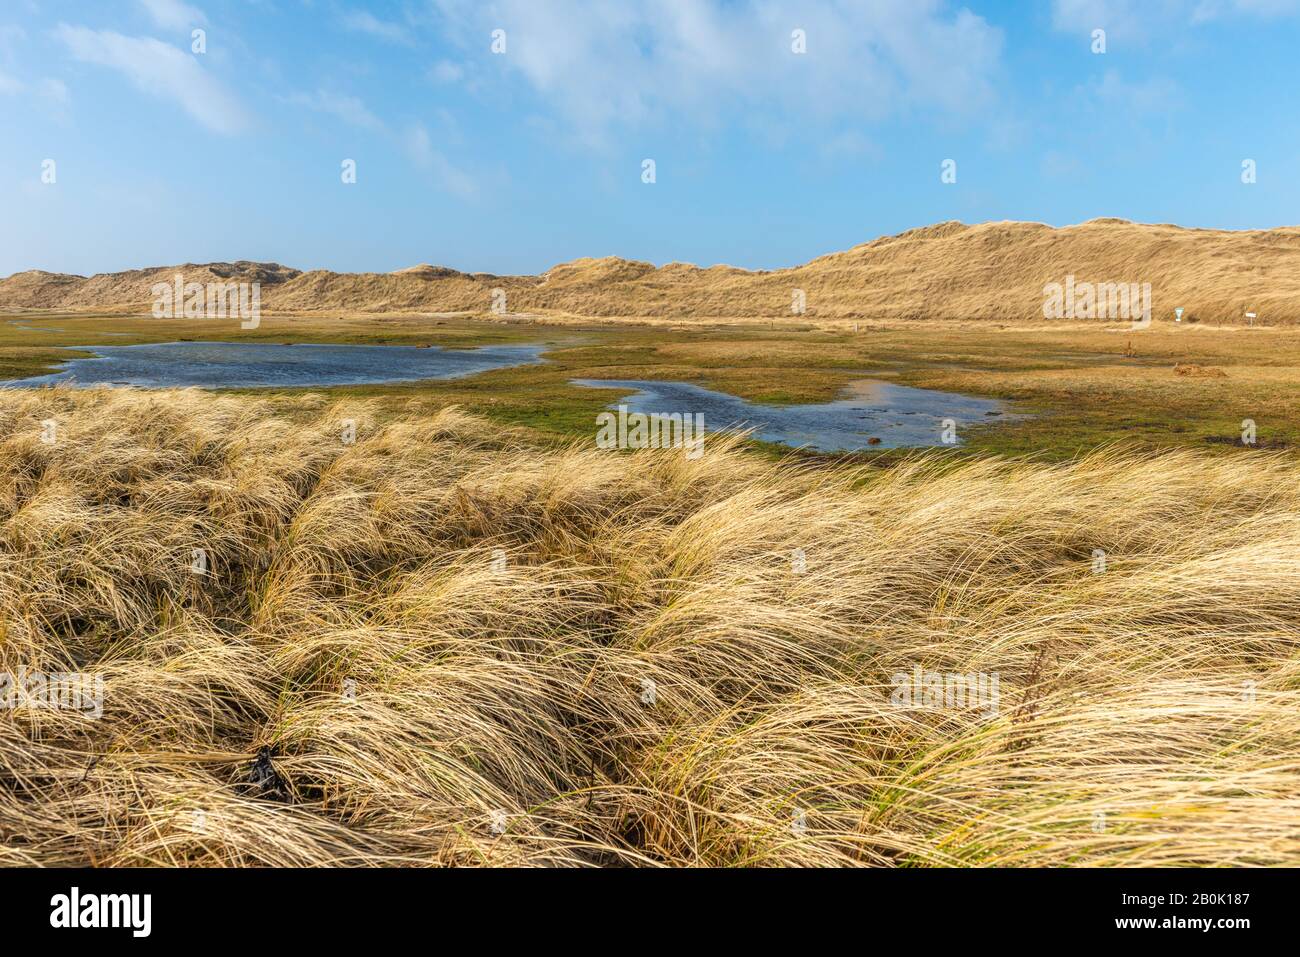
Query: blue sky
x=511, y=162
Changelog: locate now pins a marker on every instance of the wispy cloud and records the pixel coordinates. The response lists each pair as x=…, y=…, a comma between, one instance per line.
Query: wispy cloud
x=444, y=71
x=1154, y=95
x=419, y=146
x=414, y=140
x=1142, y=19
x=350, y=109
x=52, y=92
x=174, y=14
x=692, y=59
x=159, y=70
x=362, y=21
x=11, y=36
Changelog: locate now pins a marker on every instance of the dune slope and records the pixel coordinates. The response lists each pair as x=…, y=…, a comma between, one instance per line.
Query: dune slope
x=992, y=271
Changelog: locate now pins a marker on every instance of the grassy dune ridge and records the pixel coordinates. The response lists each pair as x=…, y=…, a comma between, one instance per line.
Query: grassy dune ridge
x=357, y=680
x=994, y=271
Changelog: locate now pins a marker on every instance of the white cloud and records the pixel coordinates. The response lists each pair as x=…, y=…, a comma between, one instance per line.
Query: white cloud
x=362, y=21
x=415, y=140
x=849, y=144
x=350, y=109
x=174, y=14
x=1154, y=95
x=1119, y=18
x=1142, y=19
x=603, y=63
x=419, y=146
x=54, y=90
x=160, y=70
x=1208, y=10
x=11, y=36
x=444, y=71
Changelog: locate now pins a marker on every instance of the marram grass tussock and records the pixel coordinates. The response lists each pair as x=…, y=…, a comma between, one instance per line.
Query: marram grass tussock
x=356, y=680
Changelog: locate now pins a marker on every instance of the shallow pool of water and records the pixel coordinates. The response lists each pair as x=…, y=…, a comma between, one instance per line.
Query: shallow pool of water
x=244, y=365
x=896, y=415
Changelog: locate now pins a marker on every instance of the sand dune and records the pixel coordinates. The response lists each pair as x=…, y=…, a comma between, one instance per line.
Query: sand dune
x=992, y=271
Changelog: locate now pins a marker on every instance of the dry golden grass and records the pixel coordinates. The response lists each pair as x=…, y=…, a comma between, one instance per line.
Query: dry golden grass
x=948, y=271
x=357, y=681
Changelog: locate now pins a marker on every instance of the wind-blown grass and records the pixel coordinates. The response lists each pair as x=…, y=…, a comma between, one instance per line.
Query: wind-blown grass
x=647, y=678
